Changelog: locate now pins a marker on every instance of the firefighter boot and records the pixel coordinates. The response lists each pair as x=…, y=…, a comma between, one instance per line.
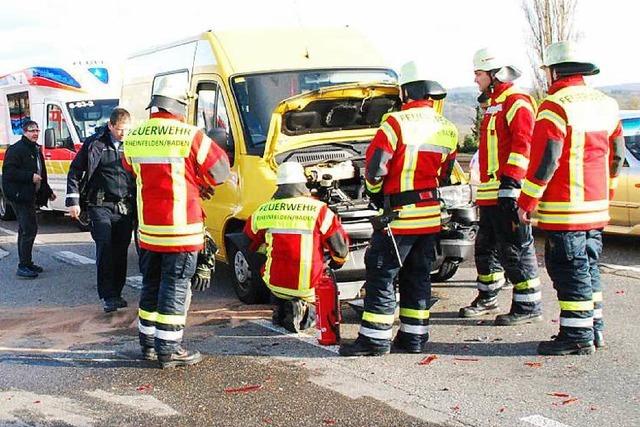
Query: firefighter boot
x=598, y=338
x=402, y=344
x=294, y=313
x=513, y=319
x=149, y=353
x=361, y=347
x=563, y=347
x=480, y=306
x=180, y=357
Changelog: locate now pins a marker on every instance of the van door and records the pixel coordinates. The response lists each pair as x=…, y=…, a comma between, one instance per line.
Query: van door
x=59, y=157
x=211, y=113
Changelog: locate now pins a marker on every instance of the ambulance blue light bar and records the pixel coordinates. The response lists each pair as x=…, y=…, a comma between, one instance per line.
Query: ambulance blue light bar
x=55, y=75
x=101, y=74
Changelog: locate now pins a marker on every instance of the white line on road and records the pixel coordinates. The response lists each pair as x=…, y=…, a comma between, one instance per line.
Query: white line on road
x=540, y=421
x=145, y=402
x=621, y=267
x=73, y=258
x=301, y=337
x=9, y=232
x=54, y=350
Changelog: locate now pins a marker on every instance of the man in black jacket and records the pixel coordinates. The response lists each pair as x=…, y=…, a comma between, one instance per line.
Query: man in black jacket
x=110, y=193
x=24, y=182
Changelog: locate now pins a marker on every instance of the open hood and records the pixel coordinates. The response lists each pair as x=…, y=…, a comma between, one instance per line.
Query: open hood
x=348, y=112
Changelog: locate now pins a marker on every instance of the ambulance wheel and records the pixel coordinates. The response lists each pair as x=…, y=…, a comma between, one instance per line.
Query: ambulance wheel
x=6, y=211
x=249, y=289
x=446, y=271
x=84, y=223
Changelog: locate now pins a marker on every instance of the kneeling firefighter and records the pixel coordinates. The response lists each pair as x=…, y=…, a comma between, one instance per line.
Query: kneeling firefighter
x=410, y=156
x=296, y=230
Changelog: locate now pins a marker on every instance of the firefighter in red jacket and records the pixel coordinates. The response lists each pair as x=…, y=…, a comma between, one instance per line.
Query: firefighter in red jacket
x=410, y=156
x=576, y=155
x=172, y=162
x=503, y=244
x=296, y=230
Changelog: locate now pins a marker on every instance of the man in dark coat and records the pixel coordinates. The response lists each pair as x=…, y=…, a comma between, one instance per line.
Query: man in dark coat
x=24, y=182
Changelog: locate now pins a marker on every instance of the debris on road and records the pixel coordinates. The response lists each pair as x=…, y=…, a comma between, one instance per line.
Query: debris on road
x=427, y=360
x=533, y=364
x=243, y=389
x=144, y=388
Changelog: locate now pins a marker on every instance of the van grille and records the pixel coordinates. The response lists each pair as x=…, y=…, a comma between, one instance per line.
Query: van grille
x=312, y=158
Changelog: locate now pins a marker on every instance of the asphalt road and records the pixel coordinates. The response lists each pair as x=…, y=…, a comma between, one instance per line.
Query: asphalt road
x=64, y=362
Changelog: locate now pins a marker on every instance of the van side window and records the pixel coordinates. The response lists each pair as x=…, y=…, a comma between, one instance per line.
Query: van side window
x=18, y=110
x=212, y=116
x=57, y=122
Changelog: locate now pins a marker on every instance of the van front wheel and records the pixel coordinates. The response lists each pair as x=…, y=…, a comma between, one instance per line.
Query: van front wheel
x=6, y=211
x=248, y=288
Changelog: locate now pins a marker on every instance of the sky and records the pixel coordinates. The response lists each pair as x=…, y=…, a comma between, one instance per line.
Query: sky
x=442, y=36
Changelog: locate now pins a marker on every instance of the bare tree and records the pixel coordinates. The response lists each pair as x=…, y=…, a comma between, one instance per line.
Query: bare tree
x=548, y=21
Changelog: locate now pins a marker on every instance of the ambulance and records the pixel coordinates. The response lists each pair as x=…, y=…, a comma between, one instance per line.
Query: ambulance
x=266, y=96
x=68, y=104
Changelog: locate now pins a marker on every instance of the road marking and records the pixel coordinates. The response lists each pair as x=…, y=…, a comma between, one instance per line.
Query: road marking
x=54, y=350
x=18, y=408
x=9, y=232
x=621, y=267
x=540, y=421
x=73, y=258
x=142, y=402
x=300, y=337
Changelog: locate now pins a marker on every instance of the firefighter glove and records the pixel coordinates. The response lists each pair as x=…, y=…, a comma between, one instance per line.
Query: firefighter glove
x=335, y=265
x=376, y=198
x=206, y=265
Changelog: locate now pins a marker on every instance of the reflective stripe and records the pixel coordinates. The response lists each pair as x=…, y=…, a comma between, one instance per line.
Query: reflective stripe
x=288, y=293
x=613, y=183
x=576, y=305
x=157, y=160
x=146, y=330
x=527, y=284
x=554, y=118
x=579, y=206
x=306, y=251
x=596, y=296
x=490, y=286
x=576, y=322
x=73, y=195
x=534, y=297
x=386, y=319
x=493, y=163
x=414, y=314
x=597, y=313
x=193, y=240
x=203, y=150
x=147, y=315
x=376, y=333
x=532, y=190
x=373, y=187
x=509, y=192
x=487, y=190
x=491, y=277
x=328, y=220
x=519, y=103
x=517, y=159
x=392, y=138
x=410, y=162
x=408, y=224
x=172, y=319
x=414, y=329
x=434, y=148
x=576, y=166
x=411, y=211
x=288, y=231
x=169, y=335
x=198, y=227
x=573, y=218
x=179, y=184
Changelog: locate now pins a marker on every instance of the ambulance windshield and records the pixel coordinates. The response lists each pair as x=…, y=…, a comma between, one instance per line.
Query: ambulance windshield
x=89, y=115
x=258, y=94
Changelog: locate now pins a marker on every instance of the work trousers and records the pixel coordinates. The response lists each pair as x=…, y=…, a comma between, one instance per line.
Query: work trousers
x=27, y=231
x=417, y=253
x=166, y=282
x=503, y=246
x=572, y=263
x=112, y=234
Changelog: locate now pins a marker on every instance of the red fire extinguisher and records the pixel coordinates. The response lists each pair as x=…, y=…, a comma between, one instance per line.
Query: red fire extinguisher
x=328, y=309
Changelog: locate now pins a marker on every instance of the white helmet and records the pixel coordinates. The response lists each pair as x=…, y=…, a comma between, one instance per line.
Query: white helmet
x=168, y=95
x=291, y=173
x=411, y=72
x=568, y=52
x=488, y=60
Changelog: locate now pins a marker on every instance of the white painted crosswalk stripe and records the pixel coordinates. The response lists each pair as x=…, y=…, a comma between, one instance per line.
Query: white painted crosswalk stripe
x=540, y=421
x=142, y=402
x=73, y=258
x=301, y=337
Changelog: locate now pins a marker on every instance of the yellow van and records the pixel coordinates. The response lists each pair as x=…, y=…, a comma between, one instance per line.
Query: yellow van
x=315, y=96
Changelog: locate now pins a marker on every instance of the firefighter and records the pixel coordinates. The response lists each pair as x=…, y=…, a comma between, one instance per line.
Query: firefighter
x=412, y=152
x=296, y=229
x=577, y=153
x=503, y=244
x=172, y=162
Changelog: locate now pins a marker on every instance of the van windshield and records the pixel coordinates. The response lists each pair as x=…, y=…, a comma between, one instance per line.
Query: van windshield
x=258, y=94
x=632, y=135
x=89, y=115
